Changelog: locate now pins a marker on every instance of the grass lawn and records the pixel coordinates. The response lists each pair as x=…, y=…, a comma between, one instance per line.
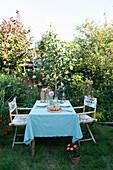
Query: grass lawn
x=51, y=153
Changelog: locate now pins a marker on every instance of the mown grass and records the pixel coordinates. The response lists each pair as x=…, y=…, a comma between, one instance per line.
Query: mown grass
x=51, y=153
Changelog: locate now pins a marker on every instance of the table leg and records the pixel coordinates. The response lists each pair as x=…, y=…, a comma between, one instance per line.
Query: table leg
x=33, y=148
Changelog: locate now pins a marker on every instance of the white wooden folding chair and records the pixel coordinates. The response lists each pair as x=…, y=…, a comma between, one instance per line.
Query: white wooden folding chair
x=17, y=119
x=84, y=117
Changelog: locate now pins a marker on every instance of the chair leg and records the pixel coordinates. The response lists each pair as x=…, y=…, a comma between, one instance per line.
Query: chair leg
x=14, y=137
x=89, y=127
x=79, y=142
x=91, y=133
x=88, y=131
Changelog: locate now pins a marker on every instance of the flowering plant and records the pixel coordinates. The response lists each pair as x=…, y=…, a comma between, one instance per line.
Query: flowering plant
x=51, y=93
x=73, y=150
x=4, y=121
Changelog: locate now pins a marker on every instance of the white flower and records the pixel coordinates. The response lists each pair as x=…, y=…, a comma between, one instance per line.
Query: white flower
x=23, y=74
x=51, y=93
x=34, y=76
x=74, y=59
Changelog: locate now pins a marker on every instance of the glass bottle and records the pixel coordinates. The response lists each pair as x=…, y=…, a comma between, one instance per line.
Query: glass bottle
x=63, y=96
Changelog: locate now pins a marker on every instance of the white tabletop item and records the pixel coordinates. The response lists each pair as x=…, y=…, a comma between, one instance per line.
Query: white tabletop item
x=65, y=104
x=41, y=104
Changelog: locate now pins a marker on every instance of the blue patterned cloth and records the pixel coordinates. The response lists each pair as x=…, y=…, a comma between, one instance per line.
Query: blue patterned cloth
x=42, y=123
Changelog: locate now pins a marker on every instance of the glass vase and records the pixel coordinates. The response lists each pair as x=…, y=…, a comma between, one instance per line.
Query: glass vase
x=51, y=101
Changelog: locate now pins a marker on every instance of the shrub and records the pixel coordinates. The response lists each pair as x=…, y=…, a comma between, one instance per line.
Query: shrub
x=14, y=43
x=22, y=89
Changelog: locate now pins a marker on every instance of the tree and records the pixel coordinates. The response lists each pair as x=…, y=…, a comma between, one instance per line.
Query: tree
x=94, y=51
x=14, y=43
x=52, y=62
x=94, y=59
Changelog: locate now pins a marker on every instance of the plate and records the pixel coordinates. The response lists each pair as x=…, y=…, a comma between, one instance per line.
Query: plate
x=54, y=111
x=41, y=104
x=65, y=104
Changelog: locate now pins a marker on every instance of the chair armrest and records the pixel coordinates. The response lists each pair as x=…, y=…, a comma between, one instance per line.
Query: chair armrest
x=24, y=108
x=78, y=107
x=20, y=115
x=85, y=113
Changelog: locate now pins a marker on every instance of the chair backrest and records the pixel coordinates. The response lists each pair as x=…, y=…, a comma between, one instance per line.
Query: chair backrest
x=44, y=94
x=12, y=105
x=91, y=102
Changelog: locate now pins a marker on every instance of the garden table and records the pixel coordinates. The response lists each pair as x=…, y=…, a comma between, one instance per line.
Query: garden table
x=42, y=123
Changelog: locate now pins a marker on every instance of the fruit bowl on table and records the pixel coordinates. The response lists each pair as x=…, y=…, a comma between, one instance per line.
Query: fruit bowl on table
x=54, y=109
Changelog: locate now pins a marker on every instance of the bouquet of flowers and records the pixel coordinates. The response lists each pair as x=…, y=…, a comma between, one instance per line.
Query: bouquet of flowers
x=51, y=94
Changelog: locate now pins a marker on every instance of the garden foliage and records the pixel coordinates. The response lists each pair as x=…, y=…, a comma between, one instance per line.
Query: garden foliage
x=82, y=67
x=14, y=44
x=53, y=59
x=86, y=64
x=94, y=54
x=21, y=88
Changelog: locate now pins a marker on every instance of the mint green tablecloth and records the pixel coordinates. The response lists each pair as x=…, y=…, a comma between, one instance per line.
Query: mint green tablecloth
x=42, y=123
